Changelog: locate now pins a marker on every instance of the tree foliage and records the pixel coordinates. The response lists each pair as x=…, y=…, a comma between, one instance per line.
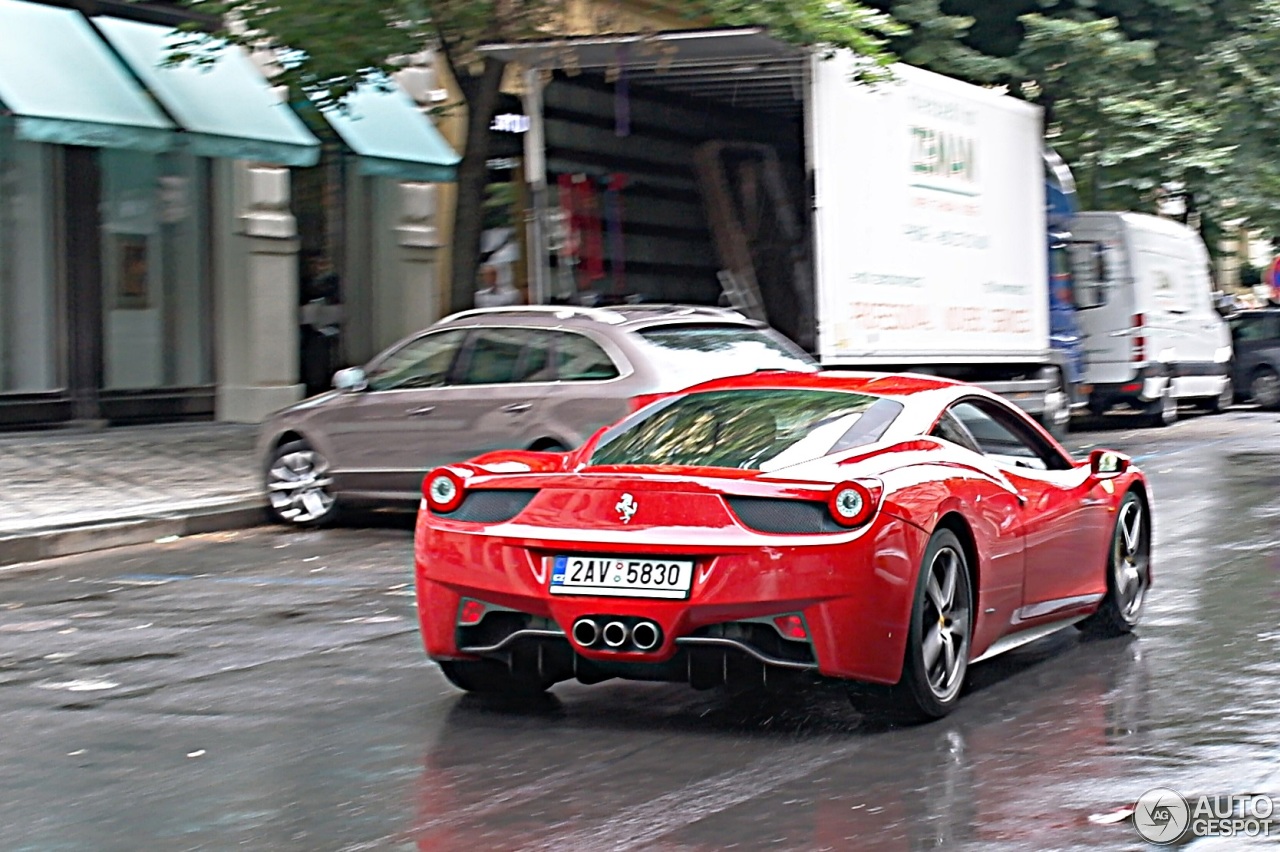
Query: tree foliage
x=1138, y=93
x=327, y=47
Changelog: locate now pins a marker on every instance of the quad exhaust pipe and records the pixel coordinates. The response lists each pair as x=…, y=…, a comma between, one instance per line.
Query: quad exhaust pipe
x=585, y=632
x=615, y=634
x=646, y=636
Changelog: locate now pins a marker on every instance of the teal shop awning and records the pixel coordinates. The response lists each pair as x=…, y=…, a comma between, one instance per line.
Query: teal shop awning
x=227, y=109
x=392, y=137
x=62, y=85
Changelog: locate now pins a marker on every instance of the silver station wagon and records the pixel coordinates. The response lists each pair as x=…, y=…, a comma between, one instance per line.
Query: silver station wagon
x=531, y=377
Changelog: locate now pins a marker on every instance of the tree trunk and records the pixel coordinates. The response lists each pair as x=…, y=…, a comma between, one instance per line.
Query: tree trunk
x=481, y=92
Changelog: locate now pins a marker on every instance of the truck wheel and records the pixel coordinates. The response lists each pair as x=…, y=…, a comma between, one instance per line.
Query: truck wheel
x=1056, y=418
x=1163, y=411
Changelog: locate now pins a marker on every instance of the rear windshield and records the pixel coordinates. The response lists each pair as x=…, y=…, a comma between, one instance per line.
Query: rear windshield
x=724, y=349
x=757, y=429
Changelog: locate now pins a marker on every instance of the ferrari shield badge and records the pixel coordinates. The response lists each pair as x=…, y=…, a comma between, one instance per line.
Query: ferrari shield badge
x=626, y=508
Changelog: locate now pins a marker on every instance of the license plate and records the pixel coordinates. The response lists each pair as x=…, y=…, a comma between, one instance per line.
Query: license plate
x=621, y=576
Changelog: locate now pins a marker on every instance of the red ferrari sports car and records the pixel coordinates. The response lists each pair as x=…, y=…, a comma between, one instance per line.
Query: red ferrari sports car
x=887, y=530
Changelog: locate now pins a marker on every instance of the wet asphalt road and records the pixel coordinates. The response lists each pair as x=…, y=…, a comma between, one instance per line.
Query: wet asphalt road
x=267, y=690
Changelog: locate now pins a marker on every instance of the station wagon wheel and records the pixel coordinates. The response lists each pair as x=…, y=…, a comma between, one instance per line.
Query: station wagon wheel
x=1264, y=387
x=299, y=487
x=938, y=640
x=1128, y=571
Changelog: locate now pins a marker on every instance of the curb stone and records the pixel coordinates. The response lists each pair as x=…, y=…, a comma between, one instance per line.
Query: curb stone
x=49, y=542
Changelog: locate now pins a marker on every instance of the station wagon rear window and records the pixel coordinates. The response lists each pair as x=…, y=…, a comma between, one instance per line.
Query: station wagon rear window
x=684, y=345
x=752, y=429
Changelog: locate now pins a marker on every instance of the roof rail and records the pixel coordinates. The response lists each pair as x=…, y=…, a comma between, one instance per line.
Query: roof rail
x=564, y=311
x=687, y=310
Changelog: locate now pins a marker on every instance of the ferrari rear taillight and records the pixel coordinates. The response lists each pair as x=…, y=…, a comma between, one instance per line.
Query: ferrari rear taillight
x=791, y=627
x=851, y=504
x=1139, y=351
x=443, y=489
x=470, y=612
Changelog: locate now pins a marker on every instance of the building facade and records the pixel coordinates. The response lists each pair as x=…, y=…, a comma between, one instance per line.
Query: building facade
x=149, y=231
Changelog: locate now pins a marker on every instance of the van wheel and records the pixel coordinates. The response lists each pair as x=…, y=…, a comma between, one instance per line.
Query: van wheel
x=1221, y=402
x=1264, y=387
x=1163, y=411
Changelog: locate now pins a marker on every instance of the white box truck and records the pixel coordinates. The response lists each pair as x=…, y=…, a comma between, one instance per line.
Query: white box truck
x=930, y=232
x=906, y=231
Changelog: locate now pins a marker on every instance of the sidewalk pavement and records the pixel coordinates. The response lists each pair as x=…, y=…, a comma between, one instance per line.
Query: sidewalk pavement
x=64, y=492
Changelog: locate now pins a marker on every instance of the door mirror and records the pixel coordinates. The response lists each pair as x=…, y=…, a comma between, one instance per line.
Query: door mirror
x=1107, y=464
x=350, y=379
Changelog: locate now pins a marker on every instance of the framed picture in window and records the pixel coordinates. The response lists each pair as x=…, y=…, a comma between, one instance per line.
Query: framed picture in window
x=132, y=293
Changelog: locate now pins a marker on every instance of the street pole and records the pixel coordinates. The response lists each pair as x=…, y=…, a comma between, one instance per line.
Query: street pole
x=535, y=167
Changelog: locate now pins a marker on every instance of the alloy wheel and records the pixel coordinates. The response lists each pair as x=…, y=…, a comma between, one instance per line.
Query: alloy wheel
x=946, y=623
x=299, y=486
x=1129, y=559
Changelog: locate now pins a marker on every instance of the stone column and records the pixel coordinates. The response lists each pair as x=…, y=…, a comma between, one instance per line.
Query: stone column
x=419, y=242
x=257, y=292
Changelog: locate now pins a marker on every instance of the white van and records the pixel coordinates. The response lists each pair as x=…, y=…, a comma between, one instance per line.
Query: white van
x=1144, y=303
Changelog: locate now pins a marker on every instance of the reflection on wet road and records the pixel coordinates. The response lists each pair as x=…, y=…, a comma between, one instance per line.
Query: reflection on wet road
x=267, y=690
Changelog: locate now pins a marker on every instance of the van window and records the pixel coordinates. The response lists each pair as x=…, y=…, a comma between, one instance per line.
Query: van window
x=1093, y=270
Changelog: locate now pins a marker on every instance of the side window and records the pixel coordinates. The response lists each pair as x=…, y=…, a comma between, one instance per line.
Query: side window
x=949, y=429
x=1247, y=328
x=493, y=356
x=1272, y=328
x=1004, y=441
x=580, y=359
x=421, y=363
x=536, y=361
x=1092, y=267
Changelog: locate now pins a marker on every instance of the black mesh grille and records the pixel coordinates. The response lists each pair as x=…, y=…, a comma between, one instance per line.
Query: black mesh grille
x=766, y=514
x=490, y=506
x=763, y=638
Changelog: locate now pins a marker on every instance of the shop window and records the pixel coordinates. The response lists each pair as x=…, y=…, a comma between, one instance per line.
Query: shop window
x=28, y=292
x=156, y=298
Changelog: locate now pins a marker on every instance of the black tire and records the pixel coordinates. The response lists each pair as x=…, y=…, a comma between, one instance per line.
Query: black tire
x=299, y=488
x=490, y=677
x=1264, y=388
x=1128, y=572
x=1163, y=411
x=930, y=689
x=549, y=447
x=1221, y=402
